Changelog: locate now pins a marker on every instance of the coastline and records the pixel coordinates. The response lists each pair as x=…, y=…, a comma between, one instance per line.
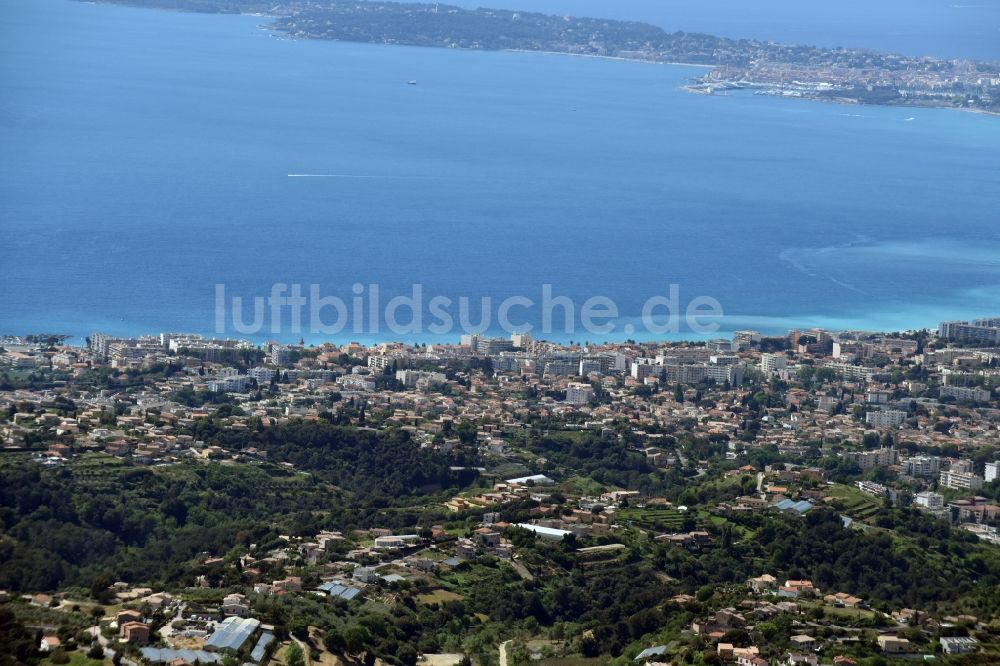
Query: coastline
x=619, y=336
x=690, y=88
x=843, y=101
x=605, y=57
x=273, y=28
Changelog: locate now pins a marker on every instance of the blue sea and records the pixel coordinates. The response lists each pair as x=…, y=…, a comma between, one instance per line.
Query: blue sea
x=147, y=157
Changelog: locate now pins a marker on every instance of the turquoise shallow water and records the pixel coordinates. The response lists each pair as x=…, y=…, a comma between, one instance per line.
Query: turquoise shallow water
x=146, y=155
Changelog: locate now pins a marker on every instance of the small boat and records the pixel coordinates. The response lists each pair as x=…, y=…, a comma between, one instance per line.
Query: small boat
x=412, y=83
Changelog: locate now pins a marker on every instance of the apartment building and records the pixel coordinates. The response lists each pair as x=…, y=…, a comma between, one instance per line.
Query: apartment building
x=960, y=480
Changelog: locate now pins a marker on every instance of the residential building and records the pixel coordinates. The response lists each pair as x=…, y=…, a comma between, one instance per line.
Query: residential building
x=49, y=643
x=417, y=378
x=902, y=345
x=974, y=332
x=281, y=355
x=854, y=373
x=134, y=632
x=521, y=340
x=927, y=467
x=229, y=384
x=975, y=509
x=261, y=374
x=803, y=642
x=614, y=362
x=127, y=615
x=963, y=394
x=562, y=367
x=641, y=369
x=867, y=460
x=725, y=373
x=961, y=466
x=752, y=660
x=494, y=346
x=235, y=604
x=929, y=500
x=885, y=418
x=579, y=394
x=876, y=489
x=877, y=397
x=746, y=339
x=960, y=481
x=894, y=645
x=380, y=361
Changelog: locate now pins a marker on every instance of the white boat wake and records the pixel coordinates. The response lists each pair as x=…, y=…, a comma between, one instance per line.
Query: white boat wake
x=332, y=175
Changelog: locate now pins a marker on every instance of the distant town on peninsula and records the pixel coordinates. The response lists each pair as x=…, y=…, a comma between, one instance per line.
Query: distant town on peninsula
x=845, y=75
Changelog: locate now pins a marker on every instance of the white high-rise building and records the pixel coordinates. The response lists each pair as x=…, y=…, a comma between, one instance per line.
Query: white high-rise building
x=961, y=481
x=521, y=340
x=992, y=469
x=579, y=393
x=771, y=363
x=886, y=418
x=923, y=466
x=929, y=500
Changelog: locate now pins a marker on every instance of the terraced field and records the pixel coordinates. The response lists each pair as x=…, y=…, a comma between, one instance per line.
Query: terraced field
x=667, y=520
x=857, y=504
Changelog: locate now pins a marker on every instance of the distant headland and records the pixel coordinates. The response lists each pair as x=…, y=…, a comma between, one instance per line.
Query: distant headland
x=844, y=75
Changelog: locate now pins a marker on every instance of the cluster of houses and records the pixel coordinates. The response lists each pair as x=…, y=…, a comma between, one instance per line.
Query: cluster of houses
x=771, y=597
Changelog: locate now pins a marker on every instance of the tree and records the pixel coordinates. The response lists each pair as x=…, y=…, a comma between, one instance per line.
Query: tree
x=294, y=656
x=16, y=640
x=355, y=638
x=333, y=640
x=100, y=587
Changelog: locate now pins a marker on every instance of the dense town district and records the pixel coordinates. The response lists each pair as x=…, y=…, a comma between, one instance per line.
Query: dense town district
x=815, y=498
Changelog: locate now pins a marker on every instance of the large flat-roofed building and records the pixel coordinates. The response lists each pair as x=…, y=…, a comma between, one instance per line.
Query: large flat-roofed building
x=494, y=346
x=885, y=418
x=727, y=373
x=867, y=460
x=231, y=634
x=984, y=331
x=929, y=500
x=961, y=393
x=960, y=481
x=959, y=645
x=579, y=394
x=923, y=466
x=545, y=532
